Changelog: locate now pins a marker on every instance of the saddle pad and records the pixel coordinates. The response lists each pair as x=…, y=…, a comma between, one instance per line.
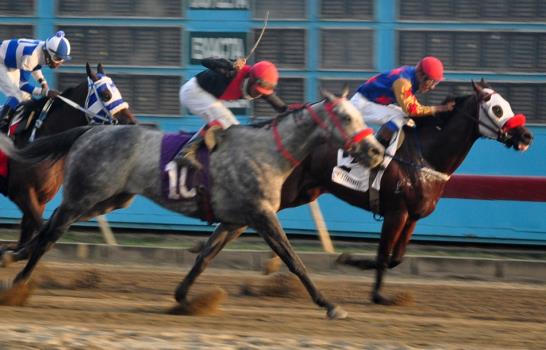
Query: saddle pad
x=352, y=175
x=171, y=144
x=195, y=179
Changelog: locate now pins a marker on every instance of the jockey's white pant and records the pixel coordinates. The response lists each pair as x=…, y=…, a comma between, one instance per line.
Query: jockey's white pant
x=9, y=84
x=202, y=103
x=378, y=114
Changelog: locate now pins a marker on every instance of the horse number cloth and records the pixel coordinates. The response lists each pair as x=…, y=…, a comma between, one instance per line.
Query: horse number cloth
x=197, y=182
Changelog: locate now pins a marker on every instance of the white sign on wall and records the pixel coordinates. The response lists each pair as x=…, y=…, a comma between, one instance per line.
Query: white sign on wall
x=215, y=44
x=219, y=4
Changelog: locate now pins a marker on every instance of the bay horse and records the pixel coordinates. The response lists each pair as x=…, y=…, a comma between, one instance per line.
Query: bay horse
x=105, y=167
x=31, y=188
x=408, y=194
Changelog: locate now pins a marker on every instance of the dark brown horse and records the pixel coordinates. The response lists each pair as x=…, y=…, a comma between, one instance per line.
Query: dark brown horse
x=407, y=193
x=32, y=187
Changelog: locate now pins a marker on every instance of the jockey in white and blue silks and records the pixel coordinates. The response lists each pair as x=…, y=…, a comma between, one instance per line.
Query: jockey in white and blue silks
x=22, y=58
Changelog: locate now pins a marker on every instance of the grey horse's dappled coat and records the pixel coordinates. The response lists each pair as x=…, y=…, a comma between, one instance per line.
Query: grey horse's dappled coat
x=106, y=167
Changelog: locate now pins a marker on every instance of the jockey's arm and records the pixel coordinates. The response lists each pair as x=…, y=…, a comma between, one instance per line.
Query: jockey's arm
x=276, y=102
x=407, y=100
x=30, y=66
x=26, y=86
x=39, y=77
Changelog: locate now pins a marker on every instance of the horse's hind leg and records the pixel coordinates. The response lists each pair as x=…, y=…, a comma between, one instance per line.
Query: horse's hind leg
x=31, y=222
x=269, y=227
x=59, y=222
x=392, y=227
x=221, y=236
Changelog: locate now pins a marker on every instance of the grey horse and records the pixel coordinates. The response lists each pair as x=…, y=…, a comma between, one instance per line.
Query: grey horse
x=106, y=167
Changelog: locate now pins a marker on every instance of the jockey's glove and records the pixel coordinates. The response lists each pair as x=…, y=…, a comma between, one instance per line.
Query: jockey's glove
x=45, y=89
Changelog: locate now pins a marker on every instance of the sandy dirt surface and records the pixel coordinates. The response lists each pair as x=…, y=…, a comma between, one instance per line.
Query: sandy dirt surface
x=79, y=306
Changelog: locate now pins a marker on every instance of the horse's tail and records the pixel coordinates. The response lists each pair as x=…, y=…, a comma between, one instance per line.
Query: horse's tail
x=50, y=148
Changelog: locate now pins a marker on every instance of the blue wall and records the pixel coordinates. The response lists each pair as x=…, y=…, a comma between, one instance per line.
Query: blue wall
x=454, y=220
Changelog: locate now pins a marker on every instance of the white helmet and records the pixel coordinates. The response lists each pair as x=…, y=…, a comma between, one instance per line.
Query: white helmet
x=58, y=47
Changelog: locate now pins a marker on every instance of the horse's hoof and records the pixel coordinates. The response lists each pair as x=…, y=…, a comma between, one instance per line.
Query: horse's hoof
x=197, y=248
x=381, y=300
x=343, y=258
x=8, y=257
x=15, y=294
x=272, y=265
x=337, y=313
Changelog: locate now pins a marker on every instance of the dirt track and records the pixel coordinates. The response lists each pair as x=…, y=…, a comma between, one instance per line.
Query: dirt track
x=108, y=307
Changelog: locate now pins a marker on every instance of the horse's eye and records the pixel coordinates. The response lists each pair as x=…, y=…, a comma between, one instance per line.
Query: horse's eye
x=346, y=118
x=497, y=110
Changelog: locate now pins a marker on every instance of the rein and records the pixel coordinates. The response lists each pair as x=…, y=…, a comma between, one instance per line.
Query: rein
x=329, y=107
x=81, y=109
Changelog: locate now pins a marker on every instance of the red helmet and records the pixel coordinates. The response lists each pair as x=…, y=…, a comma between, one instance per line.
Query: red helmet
x=266, y=76
x=432, y=67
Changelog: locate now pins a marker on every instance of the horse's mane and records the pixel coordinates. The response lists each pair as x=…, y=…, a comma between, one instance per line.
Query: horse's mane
x=442, y=118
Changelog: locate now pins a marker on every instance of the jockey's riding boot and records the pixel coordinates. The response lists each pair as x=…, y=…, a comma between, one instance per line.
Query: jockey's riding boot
x=385, y=133
x=5, y=117
x=188, y=154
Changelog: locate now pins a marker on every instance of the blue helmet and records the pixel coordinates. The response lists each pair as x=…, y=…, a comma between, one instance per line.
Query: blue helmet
x=58, y=47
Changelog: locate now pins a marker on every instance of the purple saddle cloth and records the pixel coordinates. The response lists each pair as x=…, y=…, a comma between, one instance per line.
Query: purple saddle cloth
x=171, y=144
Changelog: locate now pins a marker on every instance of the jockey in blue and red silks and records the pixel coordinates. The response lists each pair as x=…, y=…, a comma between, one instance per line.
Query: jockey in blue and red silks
x=21, y=58
x=225, y=80
x=376, y=98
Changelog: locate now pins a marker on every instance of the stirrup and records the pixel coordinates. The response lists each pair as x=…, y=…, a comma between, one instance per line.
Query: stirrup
x=189, y=159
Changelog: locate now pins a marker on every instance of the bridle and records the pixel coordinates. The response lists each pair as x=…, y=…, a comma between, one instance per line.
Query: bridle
x=501, y=131
x=349, y=141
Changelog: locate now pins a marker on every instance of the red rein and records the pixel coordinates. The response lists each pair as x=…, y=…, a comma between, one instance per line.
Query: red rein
x=349, y=141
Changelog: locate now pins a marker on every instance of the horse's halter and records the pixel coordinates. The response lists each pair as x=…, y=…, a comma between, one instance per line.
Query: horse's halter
x=103, y=110
x=496, y=117
x=349, y=141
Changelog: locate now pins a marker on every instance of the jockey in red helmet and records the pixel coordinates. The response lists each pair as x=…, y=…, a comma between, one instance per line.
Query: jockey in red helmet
x=376, y=98
x=225, y=80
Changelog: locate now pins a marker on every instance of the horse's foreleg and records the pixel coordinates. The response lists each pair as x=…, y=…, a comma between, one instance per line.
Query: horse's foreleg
x=268, y=226
x=402, y=243
x=221, y=236
x=59, y=222
x=390, y=232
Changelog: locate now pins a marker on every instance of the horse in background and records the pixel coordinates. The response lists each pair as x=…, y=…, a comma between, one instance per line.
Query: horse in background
x=32, y=187
x=408, y=192
x=105, y=167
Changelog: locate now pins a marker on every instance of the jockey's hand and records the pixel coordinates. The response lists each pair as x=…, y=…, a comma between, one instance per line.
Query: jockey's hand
x=52, y=93
x=448, y=107
x=239, y=63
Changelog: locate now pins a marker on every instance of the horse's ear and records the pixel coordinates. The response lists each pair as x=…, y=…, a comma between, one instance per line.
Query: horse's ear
x=477, y=87
x=327, y=95
x=100, y=69
x=90, y=74
x=345, y=91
